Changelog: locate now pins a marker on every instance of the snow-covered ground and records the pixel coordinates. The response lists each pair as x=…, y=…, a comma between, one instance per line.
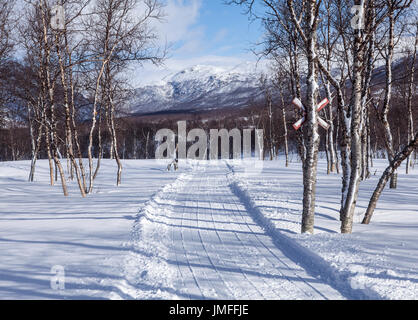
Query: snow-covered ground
x=210, y=231
x=40, y=229
x=380, y=259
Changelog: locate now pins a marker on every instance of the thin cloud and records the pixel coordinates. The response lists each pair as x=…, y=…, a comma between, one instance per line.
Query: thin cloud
x=221, y=35
x=180, y=16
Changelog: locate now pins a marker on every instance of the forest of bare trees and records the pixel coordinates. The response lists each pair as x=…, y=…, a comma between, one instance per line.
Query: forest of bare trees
x=62, y=84
x=70, y=68
x=334, y=49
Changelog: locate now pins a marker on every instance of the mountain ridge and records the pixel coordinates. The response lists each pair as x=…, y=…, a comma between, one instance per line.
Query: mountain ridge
x=200, y=88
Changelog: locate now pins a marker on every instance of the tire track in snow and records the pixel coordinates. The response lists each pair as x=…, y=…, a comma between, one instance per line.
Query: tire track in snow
x=148, y=275
x=222, y=251
x=314, y=264
x=195, y=239
x=282, y=271
x=196, y=272
x=241, y=277
x=242, y=248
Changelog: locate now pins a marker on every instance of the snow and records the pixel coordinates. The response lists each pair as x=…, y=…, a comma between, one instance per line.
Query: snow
x=213, y=230
x=40, y=229
x=381, y=258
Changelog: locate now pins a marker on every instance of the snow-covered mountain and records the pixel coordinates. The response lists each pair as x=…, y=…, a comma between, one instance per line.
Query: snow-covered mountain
x=198, y=88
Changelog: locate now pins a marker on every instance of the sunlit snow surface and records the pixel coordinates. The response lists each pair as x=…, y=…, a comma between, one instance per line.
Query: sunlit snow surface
x=210, y=231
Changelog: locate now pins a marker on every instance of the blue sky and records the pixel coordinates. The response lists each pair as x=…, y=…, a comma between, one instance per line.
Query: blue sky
x=220, y=30
x=203, y=32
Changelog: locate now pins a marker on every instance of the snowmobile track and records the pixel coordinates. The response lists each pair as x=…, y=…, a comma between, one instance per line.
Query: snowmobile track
x=218, y=251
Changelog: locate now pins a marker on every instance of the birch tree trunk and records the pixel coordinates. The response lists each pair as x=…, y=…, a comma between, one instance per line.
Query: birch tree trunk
x=115, y=144
x=329, y=51
x=356, y=124
x=100, y=152
x=68, y=128
x=388, y=94
x=345, y=142
x=295, y=79
x=93, y=125
x=52, y=124
x=35, y=145
x=311, y=136
x=395, y=163
x=147, y=146
x=271, y=142
x=286, y=142
x=410, y=96
x=48, y=149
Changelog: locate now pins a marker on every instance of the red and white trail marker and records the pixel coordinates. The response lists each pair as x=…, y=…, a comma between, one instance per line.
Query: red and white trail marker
x=319, y=107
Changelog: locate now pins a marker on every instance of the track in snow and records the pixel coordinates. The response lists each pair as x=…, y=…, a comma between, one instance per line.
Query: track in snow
x=217, y=251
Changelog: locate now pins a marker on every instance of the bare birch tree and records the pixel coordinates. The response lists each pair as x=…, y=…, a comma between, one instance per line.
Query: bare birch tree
x=411, y=86
x=304, y=20
x=118, y=35
x=395, y=8
x=394, y=164
x=6, y=46
x=279, y=80
x=309, y=16
x=64, y=52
